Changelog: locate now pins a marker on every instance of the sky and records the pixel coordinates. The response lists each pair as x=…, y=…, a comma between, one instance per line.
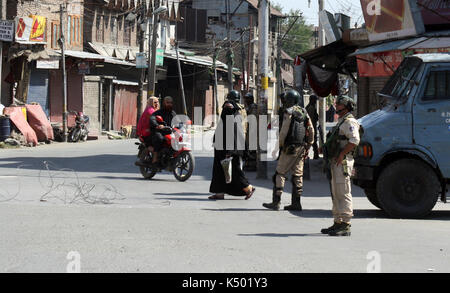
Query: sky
x=351, y=8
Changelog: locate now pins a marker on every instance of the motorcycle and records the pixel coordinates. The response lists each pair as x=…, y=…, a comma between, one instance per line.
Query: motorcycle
x=175, y=156
x=80, y=131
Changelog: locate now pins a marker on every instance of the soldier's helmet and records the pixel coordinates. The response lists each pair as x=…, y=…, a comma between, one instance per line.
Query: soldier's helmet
x=292, y=97
x=347, y=101
x=234, y=96
x=249, y=97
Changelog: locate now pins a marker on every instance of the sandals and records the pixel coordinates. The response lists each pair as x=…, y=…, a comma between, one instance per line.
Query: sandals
x=217, y=196
x=250, y=193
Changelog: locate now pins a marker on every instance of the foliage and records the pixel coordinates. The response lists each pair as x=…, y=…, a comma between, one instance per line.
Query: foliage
x=300, y=37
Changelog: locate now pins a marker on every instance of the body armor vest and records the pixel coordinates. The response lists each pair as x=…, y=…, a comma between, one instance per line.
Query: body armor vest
x=297, y=130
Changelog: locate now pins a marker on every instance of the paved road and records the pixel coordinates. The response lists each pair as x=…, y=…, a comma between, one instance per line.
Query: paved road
x=167, y=226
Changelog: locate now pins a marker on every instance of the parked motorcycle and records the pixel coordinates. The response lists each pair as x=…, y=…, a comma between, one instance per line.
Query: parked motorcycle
x=80, y=131
x=175, y=156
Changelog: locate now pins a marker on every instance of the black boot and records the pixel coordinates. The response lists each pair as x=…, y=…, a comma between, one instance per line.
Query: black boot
x=295, y=201
x=343, y=229
x=276, y=199
x=329, y=229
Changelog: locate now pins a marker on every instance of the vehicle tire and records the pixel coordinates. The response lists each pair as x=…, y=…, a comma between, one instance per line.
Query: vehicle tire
x=75, y=135
x=85, y=136
x=147, y=172
x=371, y=194
x=186, y=163
x=408, y=188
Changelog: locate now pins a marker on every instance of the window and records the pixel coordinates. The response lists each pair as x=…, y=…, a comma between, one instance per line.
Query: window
x=74, y=30
x=56, y=34
x=69, y=29
x=127, y=33
x=100, y=31
x=438, y=86
x=114, y=31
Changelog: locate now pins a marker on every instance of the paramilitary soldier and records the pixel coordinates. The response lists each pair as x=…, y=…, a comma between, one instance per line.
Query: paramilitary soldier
x=341, y=143
x=296, y=137
x=235, y=96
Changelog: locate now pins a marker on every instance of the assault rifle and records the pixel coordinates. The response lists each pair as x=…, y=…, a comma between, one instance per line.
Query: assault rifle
x=326, y=159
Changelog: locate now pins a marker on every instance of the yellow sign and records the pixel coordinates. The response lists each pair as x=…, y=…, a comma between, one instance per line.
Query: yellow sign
x=38, y=28
x=264, y=82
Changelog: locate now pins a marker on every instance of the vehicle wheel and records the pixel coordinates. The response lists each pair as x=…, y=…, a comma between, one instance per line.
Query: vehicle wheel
x=371, y=194
x=408, y=188
x=147, y=172
x=184, y=166
x=75, y=135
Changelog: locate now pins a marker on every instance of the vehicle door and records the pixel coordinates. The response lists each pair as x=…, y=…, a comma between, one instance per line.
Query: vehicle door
x=431, y=111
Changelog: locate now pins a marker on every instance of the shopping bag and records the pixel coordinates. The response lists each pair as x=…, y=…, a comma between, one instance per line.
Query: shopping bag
x=227, y=169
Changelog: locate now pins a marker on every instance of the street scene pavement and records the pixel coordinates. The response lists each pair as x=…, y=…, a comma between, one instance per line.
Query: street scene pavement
x=89, y=200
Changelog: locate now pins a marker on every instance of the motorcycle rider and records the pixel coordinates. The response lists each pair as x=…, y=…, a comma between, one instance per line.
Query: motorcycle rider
x=160, y=129
x=143, y=127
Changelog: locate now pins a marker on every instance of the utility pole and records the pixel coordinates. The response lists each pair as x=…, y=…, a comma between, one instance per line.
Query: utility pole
x=323, y=101
x=152, y=50
x=142, y=70
x=63, y=64
x=278, y=73
x=263, y=93
x=180, y=75
x=230, y=54
x=216, y=97
x=250, y=37
x=243, y=58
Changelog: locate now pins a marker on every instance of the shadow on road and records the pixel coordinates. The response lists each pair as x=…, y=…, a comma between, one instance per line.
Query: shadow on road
x=98, y=163
x=234, y=210
x=183, y=194
x=284, y=235
x=184, y=198
x=367, y=214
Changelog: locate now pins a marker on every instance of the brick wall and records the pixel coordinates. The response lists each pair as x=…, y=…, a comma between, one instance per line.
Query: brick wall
x=49, y=10
x=116, y=29
x=91, y=102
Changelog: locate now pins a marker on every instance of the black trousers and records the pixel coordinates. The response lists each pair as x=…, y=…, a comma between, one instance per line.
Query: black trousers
x=157, y=141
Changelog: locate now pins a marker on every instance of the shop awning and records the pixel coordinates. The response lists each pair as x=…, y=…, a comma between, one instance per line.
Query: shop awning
x=124, y=53
x=332, y=57
x=35, y=53
x=95, y=57
x=199, y=60
x=389, y=46
x=414, y=43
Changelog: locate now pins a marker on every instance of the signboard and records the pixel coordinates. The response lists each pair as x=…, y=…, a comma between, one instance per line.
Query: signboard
x=141, y=61
x=332, y=32
x=159, y=57
x=6, y=30
x=30, y=29
x=83, y=68
x=435, y=11
x=379, y=64
x=387, y=19
x=47, y=64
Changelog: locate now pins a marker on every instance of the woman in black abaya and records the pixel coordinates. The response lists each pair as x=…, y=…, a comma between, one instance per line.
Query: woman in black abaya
x=228, y=143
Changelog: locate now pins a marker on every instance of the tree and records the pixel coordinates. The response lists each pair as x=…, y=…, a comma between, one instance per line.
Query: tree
x=299, y=39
